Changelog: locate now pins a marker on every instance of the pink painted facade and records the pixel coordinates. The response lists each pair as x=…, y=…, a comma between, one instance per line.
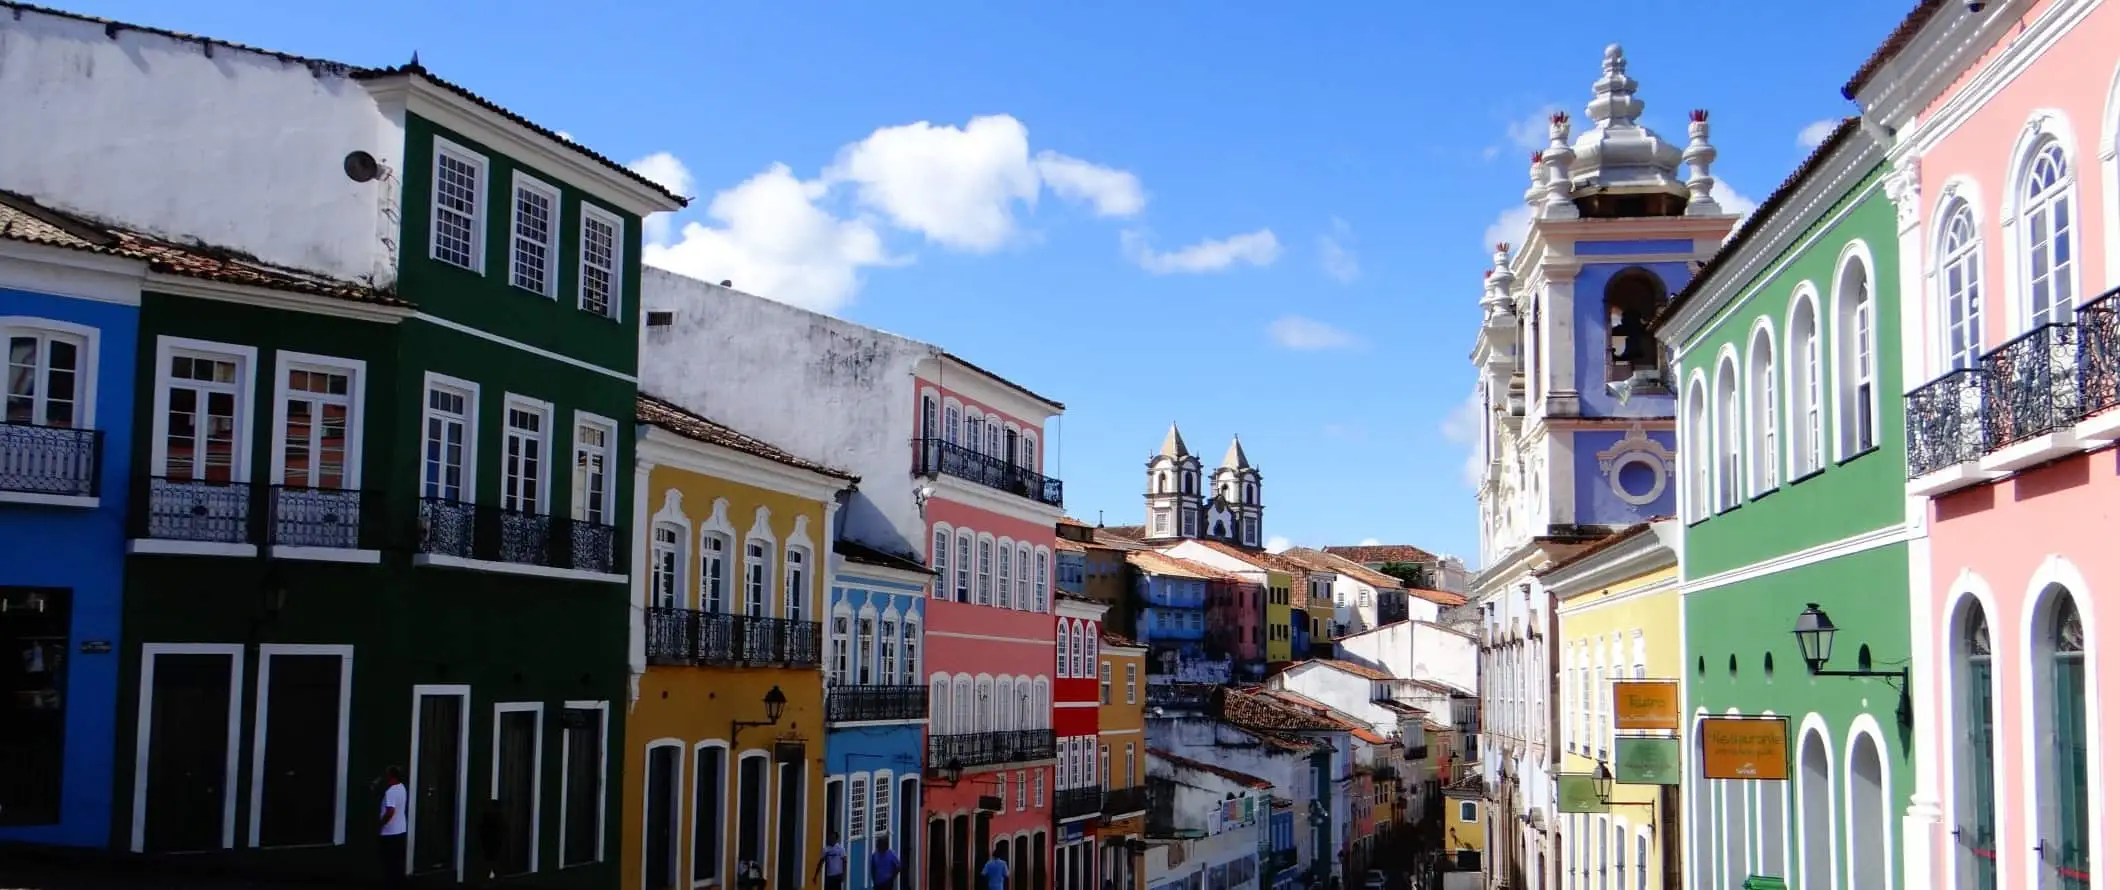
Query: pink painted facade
x=2006, y=186
x=990, y=632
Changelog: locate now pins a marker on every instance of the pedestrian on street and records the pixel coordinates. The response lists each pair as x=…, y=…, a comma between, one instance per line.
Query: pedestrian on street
x=996, y=870
x=883, y=865
x=390, y=840
x=832, y=864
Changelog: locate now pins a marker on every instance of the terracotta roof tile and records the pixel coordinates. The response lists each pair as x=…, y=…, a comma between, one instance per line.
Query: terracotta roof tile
x=1366, y=553
x=1360, y=670
x=1259, y=558
x=1129, y=532
x=1345, y=721
x=1244, y=779
x=1901, y=36
x=1256, y=709
x=1328, y=562
x=1114, y=638
x=667, y=415
x=1161, y=564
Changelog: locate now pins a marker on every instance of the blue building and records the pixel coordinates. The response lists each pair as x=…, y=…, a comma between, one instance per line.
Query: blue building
x=1173, y=622
x=876, y=706
x=69, y=326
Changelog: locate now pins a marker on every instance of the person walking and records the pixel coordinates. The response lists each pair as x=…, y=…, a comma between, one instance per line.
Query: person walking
x=390, y=840
x=832, y=863
x=996, y=870
x=883, y=865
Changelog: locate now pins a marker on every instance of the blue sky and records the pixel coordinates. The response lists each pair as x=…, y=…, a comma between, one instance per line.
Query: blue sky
x=1100, y=235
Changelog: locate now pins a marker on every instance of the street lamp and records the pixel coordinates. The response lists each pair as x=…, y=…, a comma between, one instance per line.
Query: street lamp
x=1601, y=782
x=776, y=703
x=1814, y=635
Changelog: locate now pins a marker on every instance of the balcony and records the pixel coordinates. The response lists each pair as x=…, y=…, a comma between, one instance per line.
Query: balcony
x=860, y=704
x=1945, y=437
x=1179, y=696
x=50, y=465
x=210, y=518
x=938, y=457
x=2030, y=399
x=1122, y=802
x=454, y=533
x=1070, y=804
x=996, y=748
x=719, y=639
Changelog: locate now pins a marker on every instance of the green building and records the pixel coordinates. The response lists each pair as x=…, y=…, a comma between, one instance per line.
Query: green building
x=1793, y=493
x=388, y=527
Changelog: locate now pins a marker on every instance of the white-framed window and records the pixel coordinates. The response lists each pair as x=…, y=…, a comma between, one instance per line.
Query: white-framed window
x=939, y=560
x=2047, y=233
x=887, y=650
x=1959, y=287
x=964, y=566
x=1029, y=444
x=975, y=433
x=1854, y=330
x=533, y=246
x=1006, y=589
x=457, y=231
x=837, y=636
x=714, y=572
x=449, y=439
x=603, y=268
x=1061, y=640
x=317, y=421
x=1024, y=598
x=1104, y=683
x=1133, y=683
x=796, y=598
x=1022, y=791
x=952, y=419
x=909, y=631
x=858, y=805
x=1766, y=413
x=665, y=553
x=50, y=373
x=1188, y=523
x=1037, y=789
x=986, y=571
x=1806, y=389
x=202, y=410
x=1729, y=444
x=526, y=429
x=1161, y=524
x=595, y=440
x=757, y=569
x=865, y=649
x=1041, y=586
x=880, y=805
x=1700, y=436
x=1251, y=532
x=993, y=437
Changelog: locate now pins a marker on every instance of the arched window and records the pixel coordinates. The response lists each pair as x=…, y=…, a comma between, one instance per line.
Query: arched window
x=1855, y=359
x=1870, y=854
x=2063, y=731
x=1005, y=710
x=983, y=706
x=939, y=706
x=1806, y=389
x=1701, y=438
x=1026, y=715
x=758, y=567
x=714, y=572
x=952, y=421
x=1729, y=438
x=909, y=631
x=993, y=437
x=964, y=566
x=664, y=556
x=1814, y=811
x=1632, y=299
x=986, y=570
x=1041, y=704
x=1060, y=649
x=1007, y=587
x=2047, y=232
x=1958, y=284
x=962, y=705
x=1023, y=577
x=939, y=560
x=887, y=640
x=1974, y=761
x=1766, y=413
x=796, y=601
x=839, y=638
x=865, y=648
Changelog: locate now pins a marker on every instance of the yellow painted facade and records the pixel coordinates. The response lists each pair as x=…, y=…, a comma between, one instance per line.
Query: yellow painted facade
x=1280, y=636
x=1464, y=824
x=1123, y=751
x=687, y=757
x=1619, y=613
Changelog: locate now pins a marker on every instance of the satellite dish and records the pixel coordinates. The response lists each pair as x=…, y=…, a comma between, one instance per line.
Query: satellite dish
x=362, y=166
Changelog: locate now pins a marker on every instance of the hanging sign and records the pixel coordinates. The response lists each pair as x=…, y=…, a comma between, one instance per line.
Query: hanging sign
x=1645, y=705
x=1744, y=748
x=1578, y=793
x=1646, y=761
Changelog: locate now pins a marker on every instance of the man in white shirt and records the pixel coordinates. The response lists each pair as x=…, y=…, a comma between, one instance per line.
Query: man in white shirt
x=833, y=864
x=390, y=843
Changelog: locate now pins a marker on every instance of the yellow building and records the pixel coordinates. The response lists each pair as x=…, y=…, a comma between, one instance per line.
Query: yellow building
x=1122, y=755
x=727, y=721
x=1619, y=621
x=1464, y=826
x=1280, y=635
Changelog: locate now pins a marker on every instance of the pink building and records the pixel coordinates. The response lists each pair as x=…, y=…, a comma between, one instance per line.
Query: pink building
x=2002, y=126
x=990, y=513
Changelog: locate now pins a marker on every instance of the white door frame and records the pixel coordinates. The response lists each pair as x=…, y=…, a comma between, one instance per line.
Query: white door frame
x=143, y=735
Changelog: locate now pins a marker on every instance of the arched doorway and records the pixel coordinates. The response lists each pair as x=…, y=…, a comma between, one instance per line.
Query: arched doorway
x=1869, y=850
x=2061, y=738
x=1973, y=763
x=1815, y=807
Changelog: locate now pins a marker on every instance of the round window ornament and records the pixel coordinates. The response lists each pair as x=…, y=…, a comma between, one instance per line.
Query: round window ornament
x=1638, y=478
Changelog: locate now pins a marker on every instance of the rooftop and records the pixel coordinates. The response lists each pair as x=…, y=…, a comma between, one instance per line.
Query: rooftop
x=1381, y=553
x=667, y=415
x=1345, y=721
x=1154, y=563
x=862, y=554
x=1244, y=779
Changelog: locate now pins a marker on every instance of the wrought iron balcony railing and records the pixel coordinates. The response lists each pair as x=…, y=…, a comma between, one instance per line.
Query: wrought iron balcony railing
x=2029, y=387
x=975, y=749
x=1077, y=803
x=194, y=510
x=1120, y=802
x=2098, y=353
x=932, y=456
x=692, y=637
x=315, y=517
x=1187, y=696
x=50, y=460
x=854, y=704
x=472, y=531
x=1943, y=422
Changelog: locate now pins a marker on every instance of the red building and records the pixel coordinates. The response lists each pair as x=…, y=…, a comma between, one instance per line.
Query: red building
x=990, y=513
x=1079, y=690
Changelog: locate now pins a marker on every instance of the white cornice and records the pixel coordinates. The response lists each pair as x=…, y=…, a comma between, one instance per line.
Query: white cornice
x=1750, y=269
x=67, y=272
x=1073, y=608
x=973, y=494
x=292, y=301
x=1881, y=537
x=660, y=447
x=1633, y=558
x=851, y=569
x=951, y=373
x=452, y=110
x=2025, y=48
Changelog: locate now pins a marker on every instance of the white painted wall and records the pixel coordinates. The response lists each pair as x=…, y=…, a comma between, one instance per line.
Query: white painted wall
x=1417, y=650
x=1338, y=689
x=238, y=150
x=743, y=360
x=1208, y=741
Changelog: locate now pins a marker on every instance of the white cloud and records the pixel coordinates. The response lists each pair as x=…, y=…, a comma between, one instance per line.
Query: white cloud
x=1462, y=428
x=1370, y=542
x=1309, y=334
x=1336, y=253
x=1276, y=544
x=663, y=169
x=1534, y=131
x=770, y=238
x=957, y=186
x=1258, y=248
x=1112, y=192
x=1814, y=133
x=1508, y=228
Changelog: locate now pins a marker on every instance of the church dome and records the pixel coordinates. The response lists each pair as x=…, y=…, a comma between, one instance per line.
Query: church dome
x=1622, y=168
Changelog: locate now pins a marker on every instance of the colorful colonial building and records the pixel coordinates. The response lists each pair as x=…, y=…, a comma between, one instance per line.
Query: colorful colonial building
x=1792, y=491
x=876, y=706
x=728, y=718
x=1999, y=121
x=1081, y=685
x=1122, y=770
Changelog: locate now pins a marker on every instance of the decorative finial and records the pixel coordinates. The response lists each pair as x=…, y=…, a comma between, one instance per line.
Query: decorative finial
x=1560, y=187
x=1498, y=302
x=1613, y=102
x=415, y=59
x=1700, y=156
x=1537, y=192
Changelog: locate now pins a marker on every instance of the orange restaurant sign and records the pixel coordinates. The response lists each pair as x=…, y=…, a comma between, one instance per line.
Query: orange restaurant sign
x=1645, y=705
x=1744, y=748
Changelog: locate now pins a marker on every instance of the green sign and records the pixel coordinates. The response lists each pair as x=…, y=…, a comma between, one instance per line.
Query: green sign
x=1578, y=794
x=1647, y=762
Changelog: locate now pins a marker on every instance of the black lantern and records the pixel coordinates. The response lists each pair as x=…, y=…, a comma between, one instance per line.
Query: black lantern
x=1601, y=782
x=953, y=771
x=1814, y=635
x=776, y=704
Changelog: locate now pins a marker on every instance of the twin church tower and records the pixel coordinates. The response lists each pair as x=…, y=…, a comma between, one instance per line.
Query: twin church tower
x=1179, y=509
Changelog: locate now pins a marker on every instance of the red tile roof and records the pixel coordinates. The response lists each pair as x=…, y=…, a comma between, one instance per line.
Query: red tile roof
x=1330, y=562
x=1438, y=597
x=1380, y=553
x=1360, y=670
x=1898, y=40
x=1244, y=779
x=1259, y=558
x=667, y=415
x=1346, y=721
x=1160, y=564
x=1259, y=710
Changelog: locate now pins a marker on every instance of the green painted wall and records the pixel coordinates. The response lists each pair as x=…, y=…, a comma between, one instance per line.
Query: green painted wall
x=488, y=302
x=1862, y=494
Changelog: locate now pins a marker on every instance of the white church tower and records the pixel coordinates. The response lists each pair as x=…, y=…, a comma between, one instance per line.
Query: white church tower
x=1234, y=515
x=1173, y=491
